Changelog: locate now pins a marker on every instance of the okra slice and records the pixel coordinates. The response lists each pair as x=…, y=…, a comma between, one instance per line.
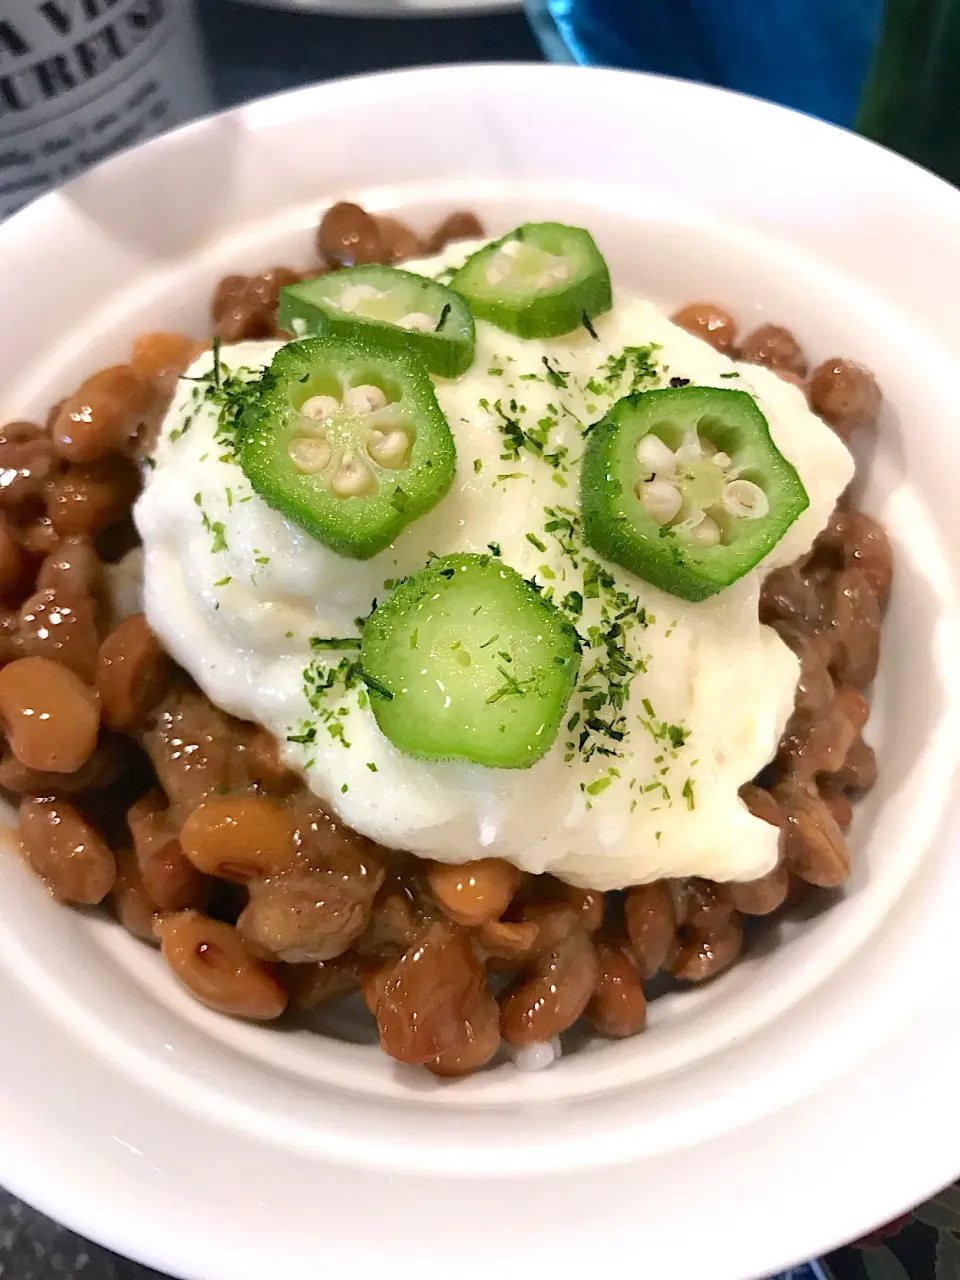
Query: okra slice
x=348, y=442
x=685, y=488
x=396, y=309
x=539, y=281
x=467, y=661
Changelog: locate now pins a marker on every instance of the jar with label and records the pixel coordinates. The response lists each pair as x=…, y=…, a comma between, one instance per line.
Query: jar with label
x=81, y=79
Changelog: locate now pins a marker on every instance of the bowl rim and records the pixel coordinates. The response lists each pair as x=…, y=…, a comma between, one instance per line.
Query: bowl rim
x=28, y=1167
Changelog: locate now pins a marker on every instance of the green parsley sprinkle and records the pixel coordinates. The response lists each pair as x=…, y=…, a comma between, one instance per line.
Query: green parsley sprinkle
x=321, y=643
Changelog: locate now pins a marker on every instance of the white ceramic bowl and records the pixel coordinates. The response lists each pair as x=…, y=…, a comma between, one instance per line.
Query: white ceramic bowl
x=796, y=1102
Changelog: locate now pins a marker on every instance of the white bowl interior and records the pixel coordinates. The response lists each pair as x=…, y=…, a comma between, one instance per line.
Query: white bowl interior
x=818, y=994
x=672, y=258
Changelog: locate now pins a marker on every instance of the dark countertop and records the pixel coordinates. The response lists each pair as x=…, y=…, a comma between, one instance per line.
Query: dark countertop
x=253, y=52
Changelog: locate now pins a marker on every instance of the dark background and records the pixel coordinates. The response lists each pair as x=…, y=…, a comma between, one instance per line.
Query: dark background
x=252, y=52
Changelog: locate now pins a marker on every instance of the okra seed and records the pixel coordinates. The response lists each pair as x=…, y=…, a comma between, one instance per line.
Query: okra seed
x=320, y=408
x=389, y=449
x=691, y=449
x=354, y=479
x=656, y=456
x=353, y=298
x=310, y=454
x=417, y=320
x=707, y=532
x=501, y=265
x=661, y=500
x=553, y=275
x=744, y=498
x=497, y=271
x=364, y=399
x=722, y=460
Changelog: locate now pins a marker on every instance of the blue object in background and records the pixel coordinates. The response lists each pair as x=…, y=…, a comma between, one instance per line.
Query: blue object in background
x=813, y=55
x=809, y=1271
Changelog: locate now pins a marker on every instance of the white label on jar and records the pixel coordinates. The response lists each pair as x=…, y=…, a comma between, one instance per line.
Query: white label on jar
x=80, y=79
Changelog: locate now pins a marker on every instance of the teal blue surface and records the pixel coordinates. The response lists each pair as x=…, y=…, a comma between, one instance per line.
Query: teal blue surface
x=813, y=55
